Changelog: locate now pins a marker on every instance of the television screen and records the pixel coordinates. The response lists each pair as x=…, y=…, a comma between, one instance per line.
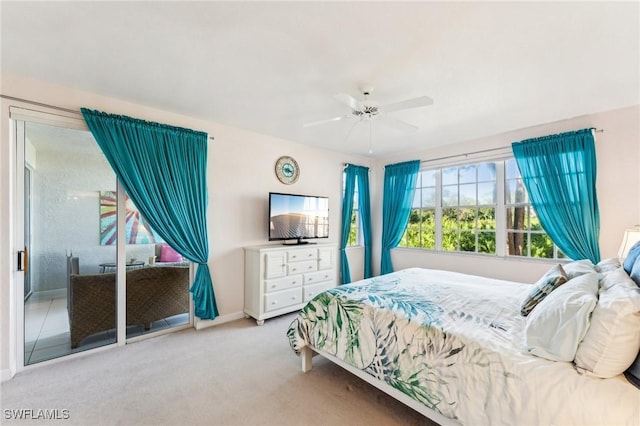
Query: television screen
x=298, y=217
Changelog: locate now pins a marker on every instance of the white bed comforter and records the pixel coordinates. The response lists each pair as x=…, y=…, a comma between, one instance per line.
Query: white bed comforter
x=453, y=342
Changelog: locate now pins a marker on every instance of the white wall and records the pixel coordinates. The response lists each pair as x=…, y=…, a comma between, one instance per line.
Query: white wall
x=66, y=215
x=618, y=189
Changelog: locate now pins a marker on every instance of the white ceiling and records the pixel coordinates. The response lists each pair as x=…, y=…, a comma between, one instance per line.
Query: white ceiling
x=270, y=67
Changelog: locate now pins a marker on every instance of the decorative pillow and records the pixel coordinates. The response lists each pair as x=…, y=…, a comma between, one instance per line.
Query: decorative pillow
x=168, y=254
x=613, y=339
x=545, y=285
x=558, y=324
x=578, y=267
x=633, y=254
x=608, y=265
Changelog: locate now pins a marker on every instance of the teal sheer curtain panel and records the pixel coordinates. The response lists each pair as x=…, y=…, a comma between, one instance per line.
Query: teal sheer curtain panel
x=364, y=207
x=399, y=187
x=360, y=175
x=163, y=170
x=559, y=172
x=347, y=209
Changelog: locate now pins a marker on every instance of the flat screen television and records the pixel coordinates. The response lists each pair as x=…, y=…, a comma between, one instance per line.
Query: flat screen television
x=294, y=218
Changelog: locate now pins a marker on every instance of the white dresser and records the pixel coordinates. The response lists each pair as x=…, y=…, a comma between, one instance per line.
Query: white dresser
x=281, y=279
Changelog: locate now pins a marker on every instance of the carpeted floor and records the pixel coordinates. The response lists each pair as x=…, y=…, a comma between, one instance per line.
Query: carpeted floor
x=232, y=374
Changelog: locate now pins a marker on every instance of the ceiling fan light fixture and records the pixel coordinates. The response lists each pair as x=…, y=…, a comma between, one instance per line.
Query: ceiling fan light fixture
x=367, y=110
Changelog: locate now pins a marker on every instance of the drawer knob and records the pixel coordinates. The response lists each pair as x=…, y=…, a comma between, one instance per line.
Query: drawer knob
x=310, y=279
x=293, y=298
x=310, y=267
x=273, y=286
x=274, y=302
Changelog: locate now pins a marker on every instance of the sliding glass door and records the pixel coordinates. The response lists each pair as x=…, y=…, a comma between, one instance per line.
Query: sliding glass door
x=94, y=272
x=69, y=302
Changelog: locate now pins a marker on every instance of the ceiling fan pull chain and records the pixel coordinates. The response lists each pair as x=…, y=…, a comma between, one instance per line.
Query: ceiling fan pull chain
x=370, y=136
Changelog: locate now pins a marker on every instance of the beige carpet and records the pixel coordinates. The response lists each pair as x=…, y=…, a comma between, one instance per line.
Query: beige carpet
x=232, y=374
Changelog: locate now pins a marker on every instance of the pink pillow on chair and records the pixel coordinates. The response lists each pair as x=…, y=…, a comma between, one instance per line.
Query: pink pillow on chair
x=168, y=254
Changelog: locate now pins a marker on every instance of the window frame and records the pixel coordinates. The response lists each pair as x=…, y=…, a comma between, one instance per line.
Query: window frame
x=355, y=226
x=500, y=212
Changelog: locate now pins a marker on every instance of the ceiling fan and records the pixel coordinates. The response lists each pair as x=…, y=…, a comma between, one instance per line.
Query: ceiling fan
x=368, y=110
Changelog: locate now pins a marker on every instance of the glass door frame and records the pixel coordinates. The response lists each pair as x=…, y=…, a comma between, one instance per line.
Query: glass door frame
x=19, y=115
x=28, y=196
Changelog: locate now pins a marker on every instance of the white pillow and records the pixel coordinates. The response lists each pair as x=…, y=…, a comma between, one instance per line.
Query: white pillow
x=559, y=322
x=613, y=339
x=578, y=267
x=608, y=265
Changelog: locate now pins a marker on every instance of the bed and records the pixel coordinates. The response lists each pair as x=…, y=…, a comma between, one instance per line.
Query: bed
x=458, y=349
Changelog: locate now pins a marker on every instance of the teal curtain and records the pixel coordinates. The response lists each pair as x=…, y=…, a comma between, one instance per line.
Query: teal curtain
x=360, y=175
x=364, y=207
x=559, y=172
x=399, y=187
x=347, y=208
x=163, y=170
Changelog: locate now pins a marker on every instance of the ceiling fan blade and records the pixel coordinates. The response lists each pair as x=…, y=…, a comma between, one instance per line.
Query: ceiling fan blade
x=315, y=123
x=351, y=101
x=409, y=103
x=398, y=124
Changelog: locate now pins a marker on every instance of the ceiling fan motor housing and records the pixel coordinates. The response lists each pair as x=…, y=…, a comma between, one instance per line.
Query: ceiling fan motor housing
x=368, y=111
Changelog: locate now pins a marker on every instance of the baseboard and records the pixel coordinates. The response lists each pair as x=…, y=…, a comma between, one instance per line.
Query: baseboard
x=5, y=375
x=200, y=323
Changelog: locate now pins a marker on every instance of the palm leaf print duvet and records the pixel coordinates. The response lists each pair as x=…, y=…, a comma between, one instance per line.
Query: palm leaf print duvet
x=451, y=341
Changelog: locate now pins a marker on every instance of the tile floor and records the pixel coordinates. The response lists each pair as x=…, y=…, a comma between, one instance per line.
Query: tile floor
x=46, y=328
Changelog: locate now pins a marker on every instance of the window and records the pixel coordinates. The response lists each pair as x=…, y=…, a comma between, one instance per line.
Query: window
x=421, y=229
x=457, y=209
x=354, y=230
x=524, y=233
x=469, y=208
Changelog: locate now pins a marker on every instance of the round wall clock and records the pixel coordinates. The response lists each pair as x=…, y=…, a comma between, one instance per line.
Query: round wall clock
x=287, y=170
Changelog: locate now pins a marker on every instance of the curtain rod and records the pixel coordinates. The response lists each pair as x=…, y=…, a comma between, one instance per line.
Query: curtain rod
x=483, y=151
x=78, y=113
x=466, y=154
x=346, y=164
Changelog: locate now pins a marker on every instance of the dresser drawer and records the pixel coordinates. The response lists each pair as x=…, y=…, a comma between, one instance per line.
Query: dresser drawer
x=311, y=291
x=302, y=267
x=302, y=254
x=317, y=277
x=282, y=283
x=282, y=299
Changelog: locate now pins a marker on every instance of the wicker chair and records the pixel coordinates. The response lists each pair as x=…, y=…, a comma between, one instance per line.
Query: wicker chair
x=153, y=293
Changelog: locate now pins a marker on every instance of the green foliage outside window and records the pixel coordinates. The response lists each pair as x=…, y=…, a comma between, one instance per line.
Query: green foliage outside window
x=353, y=237
x=468, y=213
x=421, y=230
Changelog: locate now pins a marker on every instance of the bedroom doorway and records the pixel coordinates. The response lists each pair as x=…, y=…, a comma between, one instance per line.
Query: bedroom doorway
x=74, y=272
